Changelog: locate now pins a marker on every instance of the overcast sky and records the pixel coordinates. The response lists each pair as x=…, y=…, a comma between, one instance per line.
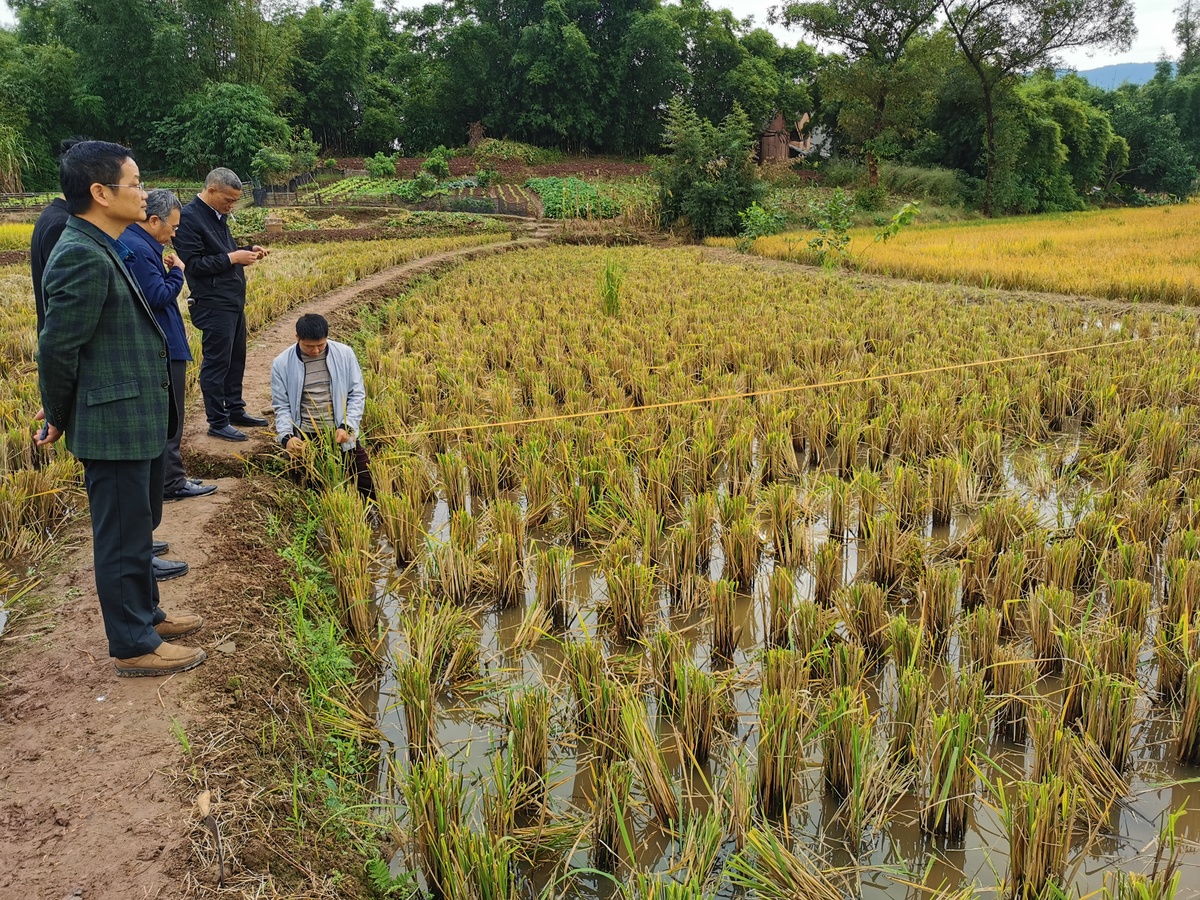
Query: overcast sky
x=1154, y=21
x=1155, y=18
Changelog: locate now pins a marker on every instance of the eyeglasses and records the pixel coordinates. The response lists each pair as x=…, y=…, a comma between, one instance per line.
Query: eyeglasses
x=140, y=186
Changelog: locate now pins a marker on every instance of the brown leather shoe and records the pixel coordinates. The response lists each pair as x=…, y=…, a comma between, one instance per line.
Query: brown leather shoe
x=177, y=625
x=167, y=659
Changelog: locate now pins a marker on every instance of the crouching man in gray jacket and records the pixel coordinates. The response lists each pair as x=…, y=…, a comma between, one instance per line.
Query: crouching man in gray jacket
x=317, y=388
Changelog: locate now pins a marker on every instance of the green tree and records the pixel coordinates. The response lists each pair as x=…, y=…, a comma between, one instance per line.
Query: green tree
x=709, y=176
x=1159, y=161
x=222, y=125
x=877, y=84
x=1187, y=33
x=1002, y=39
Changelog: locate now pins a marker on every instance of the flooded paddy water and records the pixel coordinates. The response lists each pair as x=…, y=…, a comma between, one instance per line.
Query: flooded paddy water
x=938, y=632
x=896, y=859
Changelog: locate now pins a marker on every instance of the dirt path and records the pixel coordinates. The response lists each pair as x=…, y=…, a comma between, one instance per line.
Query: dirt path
x=87, y=804
x=92, y=805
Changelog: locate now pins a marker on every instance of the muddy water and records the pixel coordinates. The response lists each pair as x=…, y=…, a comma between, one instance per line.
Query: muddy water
x=897, y=858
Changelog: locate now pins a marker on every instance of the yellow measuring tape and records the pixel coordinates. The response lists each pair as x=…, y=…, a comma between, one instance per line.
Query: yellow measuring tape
x=695, y=401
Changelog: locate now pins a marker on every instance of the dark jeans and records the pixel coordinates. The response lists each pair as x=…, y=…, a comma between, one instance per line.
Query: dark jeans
x=174, y=478
x=125, y=498
x=224, y=363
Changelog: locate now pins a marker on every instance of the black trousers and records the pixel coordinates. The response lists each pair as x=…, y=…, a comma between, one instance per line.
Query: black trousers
x=224, y=364
x=125, y=498
x=174, y=478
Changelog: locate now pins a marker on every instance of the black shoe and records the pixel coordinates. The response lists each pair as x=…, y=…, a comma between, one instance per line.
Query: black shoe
x=245, y=420
x=190, y=490
x=166, y=569
x=158, y=548
x=192, y=480
x=228, y=433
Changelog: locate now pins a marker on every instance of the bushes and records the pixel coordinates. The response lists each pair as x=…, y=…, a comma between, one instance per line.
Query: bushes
x=709, y=177
x=493, y=151
x=381, y=166
x=933, y=183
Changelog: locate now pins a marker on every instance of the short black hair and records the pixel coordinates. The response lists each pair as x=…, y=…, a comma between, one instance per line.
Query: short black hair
x=311, y=327
x=88, y=163
x=67, y=143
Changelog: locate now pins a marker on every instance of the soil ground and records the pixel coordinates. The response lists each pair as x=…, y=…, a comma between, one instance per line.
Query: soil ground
x=97, y=783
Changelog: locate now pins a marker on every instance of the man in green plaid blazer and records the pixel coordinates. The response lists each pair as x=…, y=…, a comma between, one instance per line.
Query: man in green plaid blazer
x=105, y=383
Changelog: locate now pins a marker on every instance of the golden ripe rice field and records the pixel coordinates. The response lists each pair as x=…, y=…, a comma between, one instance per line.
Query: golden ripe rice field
x=936, y=629
x=1150, y=254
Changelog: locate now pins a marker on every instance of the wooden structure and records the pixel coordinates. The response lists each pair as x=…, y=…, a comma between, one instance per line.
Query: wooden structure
x=780, y=141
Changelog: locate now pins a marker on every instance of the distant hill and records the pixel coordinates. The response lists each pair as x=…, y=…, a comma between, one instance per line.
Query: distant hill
x=1109, y=77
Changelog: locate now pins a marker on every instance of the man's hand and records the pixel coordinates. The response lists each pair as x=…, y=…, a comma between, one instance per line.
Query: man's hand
x=261, y=251
x=343, y=436
x=47, y=434
x=174, y=262
x=296, y=446
x=244, y=257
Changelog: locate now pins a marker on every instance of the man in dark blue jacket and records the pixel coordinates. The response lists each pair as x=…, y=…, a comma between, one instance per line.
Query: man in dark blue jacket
x=161, y=283
x=216, y=274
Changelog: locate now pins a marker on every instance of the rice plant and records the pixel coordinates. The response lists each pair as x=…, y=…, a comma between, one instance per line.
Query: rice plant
x=863, y=607
x=609, y=811
x=454, y=479
x=553, y=570
x=402, y=525
x=1049, y=613
x=772, y=870
x=414, y=686
x=780, y=605
x=631, y=600
x=647, y=758
x=949, y=774
x=944, y=475
x=743, y=551
x=781, y=723
x=1038, y=817
x=937, y=594
x=444, y=638
x=725, y=630
x=664, y=652
x=909, y=715
x=433, y=793
x=350, y=556
x=527, y=717
x=1109, y=705
x=1013, y=679
x=827, y=572
x=697, y=698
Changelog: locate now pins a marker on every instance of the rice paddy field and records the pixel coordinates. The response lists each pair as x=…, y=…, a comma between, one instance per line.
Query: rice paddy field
x=1148, y=254
x=848, y=631
x=36, y=488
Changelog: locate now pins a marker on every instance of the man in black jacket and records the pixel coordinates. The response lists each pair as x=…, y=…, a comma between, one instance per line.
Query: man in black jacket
x=216, y=275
